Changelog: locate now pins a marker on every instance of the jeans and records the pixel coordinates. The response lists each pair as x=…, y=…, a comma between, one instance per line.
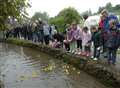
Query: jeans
x=41, y=36
x=79, y=44
x=46, y=39
x=67, y=46
x=35, y=37
x=87, y=48
x=112, y=53
x=72, y=46
x=96, y=52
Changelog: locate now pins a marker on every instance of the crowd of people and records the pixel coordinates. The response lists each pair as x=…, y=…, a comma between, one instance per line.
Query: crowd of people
x=104, y=38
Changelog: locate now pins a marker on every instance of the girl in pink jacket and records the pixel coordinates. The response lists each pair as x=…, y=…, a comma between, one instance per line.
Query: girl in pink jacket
x=86, y=37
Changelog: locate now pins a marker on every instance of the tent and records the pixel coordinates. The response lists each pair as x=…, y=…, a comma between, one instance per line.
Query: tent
x=92, y=20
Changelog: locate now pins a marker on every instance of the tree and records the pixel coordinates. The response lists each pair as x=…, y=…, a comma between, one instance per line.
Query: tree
x=12, y=9
x=59, y=22
x=108, y=6
x=70, y=15
x=117, y=9
x=66, y=16
x=38, y=15
x=100, y=9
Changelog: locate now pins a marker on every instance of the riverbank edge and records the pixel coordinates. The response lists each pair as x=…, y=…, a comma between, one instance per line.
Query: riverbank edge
x=102, y=73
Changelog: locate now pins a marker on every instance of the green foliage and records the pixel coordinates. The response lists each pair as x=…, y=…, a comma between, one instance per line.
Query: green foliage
x=59, y=22
x=66, y=16
x=110, y=8
x=12, y=8
x=70, y=15
x=38, y=15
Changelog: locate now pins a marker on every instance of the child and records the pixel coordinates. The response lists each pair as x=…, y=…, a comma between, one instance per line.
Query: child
x=56, y=44
x=78, y=38
x=86, y=37
x=73, y=37
x=57, y=39
x=97, y=41
x=66, y=44
x=112, y=42
x=68, y=37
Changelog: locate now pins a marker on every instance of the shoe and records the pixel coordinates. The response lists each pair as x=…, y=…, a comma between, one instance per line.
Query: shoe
x=75, y=53
x=92, y=57
x=95, y=59
x=84, y=53
x=88, y=54
x=79, y=53
x=113, y=63
x=72, y=51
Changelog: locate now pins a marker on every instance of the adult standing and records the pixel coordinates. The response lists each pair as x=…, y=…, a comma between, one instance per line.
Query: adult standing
x=107, y=17
x=52, y=31
x=46, y=31
x=40, y=32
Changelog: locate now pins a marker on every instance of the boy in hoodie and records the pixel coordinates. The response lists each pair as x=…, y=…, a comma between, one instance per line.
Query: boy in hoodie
x=112, y=43
x=97, y=41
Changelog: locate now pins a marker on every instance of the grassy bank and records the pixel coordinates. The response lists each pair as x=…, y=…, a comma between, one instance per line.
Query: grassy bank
x=99, y=71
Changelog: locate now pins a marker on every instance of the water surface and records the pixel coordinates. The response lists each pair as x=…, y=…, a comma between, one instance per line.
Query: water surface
x=22, y=67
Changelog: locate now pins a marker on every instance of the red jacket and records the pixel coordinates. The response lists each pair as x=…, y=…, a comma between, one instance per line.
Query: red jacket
x=101, y=24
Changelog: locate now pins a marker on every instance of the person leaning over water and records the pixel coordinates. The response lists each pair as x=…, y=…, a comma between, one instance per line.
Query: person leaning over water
x=67, y=38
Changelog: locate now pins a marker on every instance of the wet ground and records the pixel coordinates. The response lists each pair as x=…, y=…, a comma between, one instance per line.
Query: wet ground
x=26, y=68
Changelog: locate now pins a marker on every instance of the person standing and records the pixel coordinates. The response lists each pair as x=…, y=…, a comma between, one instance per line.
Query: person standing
x=106, y=26
x=46, y=32
x=86, y=37
x=78, y=38
x=97, y=41
x=40, y=32
x=107, y=17
x=73, y=37
x=112, y=42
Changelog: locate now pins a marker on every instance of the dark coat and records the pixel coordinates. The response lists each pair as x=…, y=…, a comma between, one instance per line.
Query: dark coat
x=97, y=38
x=113, y=38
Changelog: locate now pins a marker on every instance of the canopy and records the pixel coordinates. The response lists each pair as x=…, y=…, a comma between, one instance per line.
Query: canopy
x=92, y=20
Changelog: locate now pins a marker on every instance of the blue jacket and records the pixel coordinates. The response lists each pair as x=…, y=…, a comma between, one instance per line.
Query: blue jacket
x=113, y=38
x=106, y=22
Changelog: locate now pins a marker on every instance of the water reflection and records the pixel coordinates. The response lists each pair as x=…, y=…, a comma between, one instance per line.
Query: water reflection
x=27, y=68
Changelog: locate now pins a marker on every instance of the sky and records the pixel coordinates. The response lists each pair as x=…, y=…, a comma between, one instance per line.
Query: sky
x=53, y=7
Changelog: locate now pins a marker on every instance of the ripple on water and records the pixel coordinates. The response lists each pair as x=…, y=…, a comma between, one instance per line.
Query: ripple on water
x=27, y=68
